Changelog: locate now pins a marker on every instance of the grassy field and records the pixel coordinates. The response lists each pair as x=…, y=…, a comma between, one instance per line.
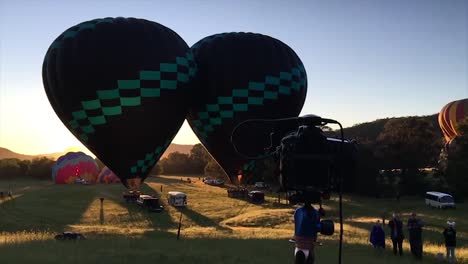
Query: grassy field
x=215, y=228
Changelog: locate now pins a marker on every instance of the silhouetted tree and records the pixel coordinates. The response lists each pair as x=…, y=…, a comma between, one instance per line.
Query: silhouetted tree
x=366, y=172
x=157, y=170
x=10, y=169
x=265, y=170
x=176, y=163
x=408, y=144
x=199, y=158
x=41, y=168
x=213, y=170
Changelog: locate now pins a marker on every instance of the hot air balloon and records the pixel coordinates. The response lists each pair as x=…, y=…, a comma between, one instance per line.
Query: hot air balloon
x=120, y=86
x=73, y=167
x=242, y=76
x=450, y=116
x=107, y=176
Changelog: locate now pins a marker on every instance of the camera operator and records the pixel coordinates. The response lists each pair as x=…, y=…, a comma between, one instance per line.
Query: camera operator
x=306, y=220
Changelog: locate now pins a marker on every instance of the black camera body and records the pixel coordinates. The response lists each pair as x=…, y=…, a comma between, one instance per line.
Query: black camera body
x=305, y=162
x=311, y=164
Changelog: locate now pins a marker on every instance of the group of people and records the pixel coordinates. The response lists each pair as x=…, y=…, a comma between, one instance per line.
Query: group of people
x=414, y=226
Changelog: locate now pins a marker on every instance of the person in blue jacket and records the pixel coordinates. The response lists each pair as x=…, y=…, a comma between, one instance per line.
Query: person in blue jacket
x=377, y=236
x=306, y=226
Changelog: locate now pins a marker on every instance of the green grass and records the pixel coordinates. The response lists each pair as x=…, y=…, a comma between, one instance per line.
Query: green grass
x=215, y=228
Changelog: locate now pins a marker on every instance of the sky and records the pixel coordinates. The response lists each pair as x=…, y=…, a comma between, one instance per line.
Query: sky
x=365, y=59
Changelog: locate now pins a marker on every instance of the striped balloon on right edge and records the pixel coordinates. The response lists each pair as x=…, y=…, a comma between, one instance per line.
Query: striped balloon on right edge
x=450, y=116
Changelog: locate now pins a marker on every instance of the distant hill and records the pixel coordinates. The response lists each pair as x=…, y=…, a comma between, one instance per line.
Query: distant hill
x=185, y=149
x=8, y=154
x=369, y=131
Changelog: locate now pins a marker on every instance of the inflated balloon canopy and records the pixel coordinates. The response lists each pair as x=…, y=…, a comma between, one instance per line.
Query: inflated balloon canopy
x=107, y=176
x=120, y=85
x=74, y=166
x=450, y=116
x=242, y=76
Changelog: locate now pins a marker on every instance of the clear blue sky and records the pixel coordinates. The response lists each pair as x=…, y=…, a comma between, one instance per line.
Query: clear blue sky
x=365, y=59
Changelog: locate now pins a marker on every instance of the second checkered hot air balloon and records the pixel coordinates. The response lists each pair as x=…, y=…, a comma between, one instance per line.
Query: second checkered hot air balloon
x=242, y=76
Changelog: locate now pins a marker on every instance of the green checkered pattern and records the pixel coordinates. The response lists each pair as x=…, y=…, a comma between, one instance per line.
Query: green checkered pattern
x=214, y=114
x=73, y=31
x=84, y=123
x=249, y=166
x=150, y=159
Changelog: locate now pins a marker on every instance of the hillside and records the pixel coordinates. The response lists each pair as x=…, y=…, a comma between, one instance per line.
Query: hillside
x=185, y=149
x=369, y=131
x=8, y=154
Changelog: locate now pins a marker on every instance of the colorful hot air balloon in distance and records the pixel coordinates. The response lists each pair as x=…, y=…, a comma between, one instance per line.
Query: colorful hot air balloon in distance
x=242, y=76
x=120, y=86
x=450, y=116
x=75, y=166
x=107, y=176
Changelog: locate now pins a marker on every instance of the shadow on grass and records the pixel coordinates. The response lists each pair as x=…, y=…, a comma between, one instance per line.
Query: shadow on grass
x=201, y=220
x=51, y=208
x=166, y=249
x=197, y=218
x=161, y=221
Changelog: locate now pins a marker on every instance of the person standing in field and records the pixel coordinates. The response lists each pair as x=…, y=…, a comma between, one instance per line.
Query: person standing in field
x=396, y=234
x=415, y=235
x=450, y=236
x=377, y=236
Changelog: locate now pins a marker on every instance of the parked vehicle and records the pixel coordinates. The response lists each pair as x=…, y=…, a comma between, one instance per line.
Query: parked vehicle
x=261, y=185
x=149, y=202
x=131, y=196
x=439, y=200
x=81, y=181
x=217, y=182
x=177, y=199
x=211, y=181
x=208, y=180
x=256, y=197
x=239, y=193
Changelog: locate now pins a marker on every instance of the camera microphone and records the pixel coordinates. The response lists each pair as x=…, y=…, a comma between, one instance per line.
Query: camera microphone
x=314, y=120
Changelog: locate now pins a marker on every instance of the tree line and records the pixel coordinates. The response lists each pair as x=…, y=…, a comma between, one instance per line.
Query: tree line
x=395, y=156
x=408, y=157
x=38, y=168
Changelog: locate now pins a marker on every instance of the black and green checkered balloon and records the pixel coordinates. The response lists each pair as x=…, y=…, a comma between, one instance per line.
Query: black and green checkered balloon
x=120, y=86
x=242, y=76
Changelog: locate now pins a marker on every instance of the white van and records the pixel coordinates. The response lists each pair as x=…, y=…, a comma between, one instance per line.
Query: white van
x=439, y=200
x=177, y=199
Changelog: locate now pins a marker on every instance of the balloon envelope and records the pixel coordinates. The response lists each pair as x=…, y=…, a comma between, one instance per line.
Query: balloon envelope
x=107, y=176
x=74, y=165
x=242, y=76
x=450, y=116
x=120, y=85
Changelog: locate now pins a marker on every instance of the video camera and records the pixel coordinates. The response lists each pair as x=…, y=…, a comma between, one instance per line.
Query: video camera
x=310, y=163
